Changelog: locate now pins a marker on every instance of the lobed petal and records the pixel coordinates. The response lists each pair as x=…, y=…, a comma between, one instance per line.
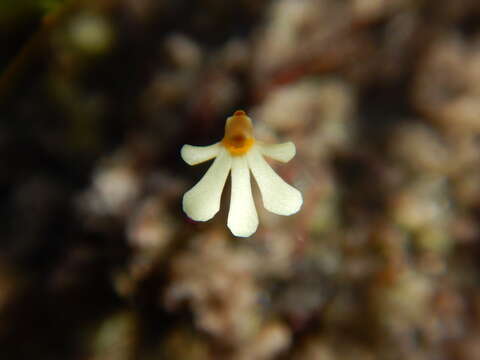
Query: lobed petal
x=194, y=155
x=278, y=196
x=282, y=152
x=242, y=216
x=202, y=202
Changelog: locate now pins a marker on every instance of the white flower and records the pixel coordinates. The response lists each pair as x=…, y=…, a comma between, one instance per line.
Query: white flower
x=239, y=152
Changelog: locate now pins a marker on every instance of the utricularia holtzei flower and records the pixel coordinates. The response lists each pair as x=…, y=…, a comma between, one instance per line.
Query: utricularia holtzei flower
x=241, y=153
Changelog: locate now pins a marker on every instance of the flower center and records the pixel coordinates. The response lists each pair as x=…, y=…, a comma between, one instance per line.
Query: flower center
x=238, y=137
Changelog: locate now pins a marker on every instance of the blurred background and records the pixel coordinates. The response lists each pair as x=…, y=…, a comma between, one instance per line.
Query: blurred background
x=97, y=259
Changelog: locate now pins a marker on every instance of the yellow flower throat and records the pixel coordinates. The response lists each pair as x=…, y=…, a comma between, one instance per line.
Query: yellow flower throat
x=238, y=137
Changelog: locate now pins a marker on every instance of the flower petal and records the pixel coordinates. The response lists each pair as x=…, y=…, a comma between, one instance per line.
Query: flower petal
x=202, y=202
x=242, y=216
x=278, y=196
x=282, y=152
x=194, y=155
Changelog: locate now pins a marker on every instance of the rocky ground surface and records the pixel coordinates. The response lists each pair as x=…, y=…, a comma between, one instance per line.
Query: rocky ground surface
x=382, y=99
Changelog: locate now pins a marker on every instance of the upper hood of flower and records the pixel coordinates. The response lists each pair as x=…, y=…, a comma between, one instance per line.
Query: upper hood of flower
x=238, y=137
